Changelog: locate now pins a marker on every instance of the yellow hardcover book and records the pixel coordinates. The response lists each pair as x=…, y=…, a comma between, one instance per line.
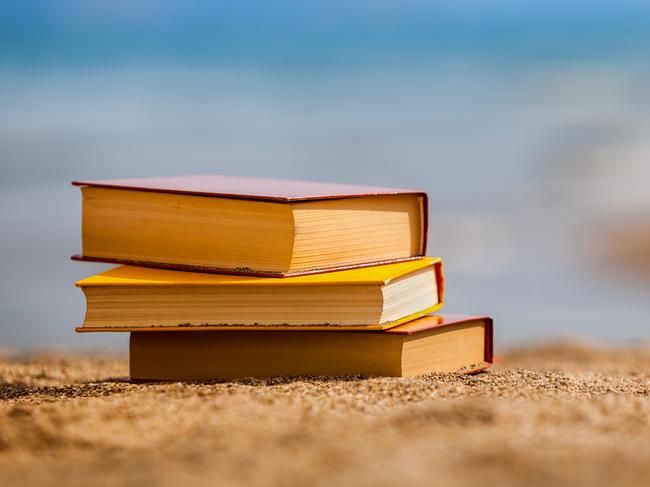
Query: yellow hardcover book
x=133, y=298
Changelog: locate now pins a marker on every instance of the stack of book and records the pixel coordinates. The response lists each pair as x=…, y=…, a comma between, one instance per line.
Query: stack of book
x=226, y=277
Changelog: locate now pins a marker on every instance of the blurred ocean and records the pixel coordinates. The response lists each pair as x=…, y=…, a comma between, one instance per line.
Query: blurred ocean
x=529, y=128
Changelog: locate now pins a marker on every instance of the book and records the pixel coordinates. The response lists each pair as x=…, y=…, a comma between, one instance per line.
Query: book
x=428, y=344
x=129, y=298
x=237, y=225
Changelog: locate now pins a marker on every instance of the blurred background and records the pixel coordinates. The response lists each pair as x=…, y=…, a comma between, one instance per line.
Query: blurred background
x=527, y=122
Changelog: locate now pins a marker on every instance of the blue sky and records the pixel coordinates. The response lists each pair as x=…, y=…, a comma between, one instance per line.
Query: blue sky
x=318, y=33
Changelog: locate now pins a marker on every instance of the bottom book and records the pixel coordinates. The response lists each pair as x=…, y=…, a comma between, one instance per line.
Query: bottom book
x=442, y=343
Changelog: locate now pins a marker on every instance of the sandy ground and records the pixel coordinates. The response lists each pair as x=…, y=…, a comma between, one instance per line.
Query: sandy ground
x=552, y=415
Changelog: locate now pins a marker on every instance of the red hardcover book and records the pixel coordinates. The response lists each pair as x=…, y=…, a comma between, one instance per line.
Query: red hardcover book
x=249, y=226
x=429, y=344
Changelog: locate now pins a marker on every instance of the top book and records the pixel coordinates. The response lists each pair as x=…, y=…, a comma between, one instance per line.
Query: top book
x=249, y=226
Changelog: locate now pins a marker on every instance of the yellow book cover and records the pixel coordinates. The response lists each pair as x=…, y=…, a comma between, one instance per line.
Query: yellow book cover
x=132, y=298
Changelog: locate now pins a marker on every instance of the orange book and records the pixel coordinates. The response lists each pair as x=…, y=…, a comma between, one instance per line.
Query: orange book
x=249, y=226
x=379, y=297
x=425, y=345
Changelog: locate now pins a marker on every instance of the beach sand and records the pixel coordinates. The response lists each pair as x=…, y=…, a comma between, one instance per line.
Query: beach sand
x=559, y=414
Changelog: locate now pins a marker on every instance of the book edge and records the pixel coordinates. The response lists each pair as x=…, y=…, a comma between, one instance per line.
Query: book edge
x=277, y=199
x=244, y=272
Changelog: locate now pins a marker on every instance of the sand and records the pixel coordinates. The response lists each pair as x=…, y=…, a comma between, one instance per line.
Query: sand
x=552, y=415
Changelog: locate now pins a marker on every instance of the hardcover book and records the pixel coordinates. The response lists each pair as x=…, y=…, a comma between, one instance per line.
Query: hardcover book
x=130, y=298
x=428, y=344
x=249, y=226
